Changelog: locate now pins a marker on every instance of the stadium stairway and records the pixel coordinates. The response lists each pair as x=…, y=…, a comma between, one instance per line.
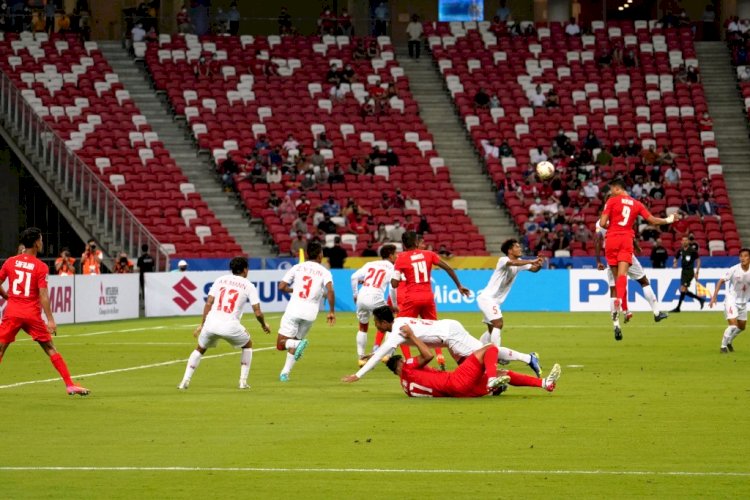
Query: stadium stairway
x=451, y=141
x=224, y=205
x=730, y=126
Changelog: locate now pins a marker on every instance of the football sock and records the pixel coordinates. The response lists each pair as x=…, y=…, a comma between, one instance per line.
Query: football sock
x=624, y=304
x=291, y=344
x=193, y=361
x=485, y=338
x=691, y=294
x=729, y=334
x=439, y=352
x=289, y=363
x=652, y=301
x=736, y=332
x=405, y=351
x=616, y=320
x=59, y=363
x=509, y=355
x=682, y=297
x=519, y=379
x=495, y=336
x=378, y=340
x=245, y=360
x=621, y=285
x=490, y=362
x=361, y=343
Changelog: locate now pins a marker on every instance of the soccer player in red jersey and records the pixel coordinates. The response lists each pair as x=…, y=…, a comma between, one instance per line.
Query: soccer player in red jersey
x=27, y=298
x=477, y=376
x=619, y=214
x=413, y=267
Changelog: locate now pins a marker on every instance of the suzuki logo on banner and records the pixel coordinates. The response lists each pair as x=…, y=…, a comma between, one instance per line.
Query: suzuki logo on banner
x=185, y=298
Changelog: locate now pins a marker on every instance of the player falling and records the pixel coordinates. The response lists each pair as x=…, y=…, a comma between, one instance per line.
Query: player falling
x=27, y=297
x=635, y=272
x=374, y=277
x=221, y=320
x=618, y=216
x=493, y=295
x=737, y=279
x=307, y=282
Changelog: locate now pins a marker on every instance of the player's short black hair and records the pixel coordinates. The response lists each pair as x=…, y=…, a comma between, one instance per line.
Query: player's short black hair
x=237, y=265
x=387, y=250
x=409, y=239
x=30, y=236
x=617, y=182
x=314, y=249
x=507, y=245
x=393, y=362
x=744, y=250
x=383, y=313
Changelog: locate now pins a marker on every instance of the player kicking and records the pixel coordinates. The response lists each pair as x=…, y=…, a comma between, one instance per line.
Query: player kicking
x=619, y=214
x=310, y=281
x=27, y=297
x=737, y=279
x=492, y=297
x=635, y=272
x=477, y=376
x=413, y=272
x=221, y=320
x=374, y=277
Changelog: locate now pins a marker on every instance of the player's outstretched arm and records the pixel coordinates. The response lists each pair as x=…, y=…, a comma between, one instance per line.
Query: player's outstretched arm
x=259, y=316
x=598, y=251
x=659, y=221
x=3, y=293
x=332, y=304
x=206, y=309
x=44, y=300
x=448, y=269
x=716, y=293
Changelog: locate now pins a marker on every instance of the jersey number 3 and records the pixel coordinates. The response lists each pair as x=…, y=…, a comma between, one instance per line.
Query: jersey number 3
x=306, y=285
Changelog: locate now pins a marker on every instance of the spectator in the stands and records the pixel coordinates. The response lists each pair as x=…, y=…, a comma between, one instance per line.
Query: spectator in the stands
x=708, y=206
x=359, y=225
x=424, y=226
x=552, y=100
x=183, y=20
x=331, y=207
x=334, y=73
x=481, y=99
x=337, y=174
x=490, y=149
x=494, y=101
x=49, y=16
x=345, y=26
x=359, y=52
x=273, y=175
x=234, y=19
x=498, y=27
x=591, y=141
x=221, y=22
x=536, y=208
x=380, y=234
x=202, y=67
x=583, y=234
x=561, y=241
x=650, y=232
x=705, y=187
x=299, y=225
x=337, y=93
x=336, y=254
x=369, y=250
x=229, y=169
x=287, y=207
x=689, y=205
x=604, y=158
x=706, y=123
x=348, y=75
x=327, y=225
x=396, y=231
x=373, y=50
x=303, y=205
x=274, y=202
x=386, y=201
x=680, y=73
x=604, y=59
x=649, y=156
x=322, y=142
x=633, y=148
x=659, y=255
x=537, y=99
x=414, y=31
x=327, y=22
x=544, y=243
x=399, y=199
x=657, y=191
x=572, y=28
x=617, y=150
x=317, y=159
x=629, y=59
x=290, y=143
x=537, y=155
x=503, y=12
x=666, y=157
x=444, y=252
x=636, y=190
x=693, y=75
x=391, y=91
x=591, y=190
x=390, y=158
x=299, y=243
x=356, y=167
x=285, y=22
x=672, y=176
x=505, y=150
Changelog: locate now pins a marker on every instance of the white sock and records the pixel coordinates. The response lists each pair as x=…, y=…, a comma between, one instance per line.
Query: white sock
x=495, y=336
x=729, y=334
x=485, y=338
x=613, y=310
x=291, y=344
x=508, y=355
x=736, y=332
x=193, y=361
x=289, y=363
x=652, y=300
x=245, y=360
x=361, y=343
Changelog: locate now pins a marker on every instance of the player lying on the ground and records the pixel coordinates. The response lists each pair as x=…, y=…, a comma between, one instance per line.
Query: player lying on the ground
x=374, y=277
x=493, y=295
x=221, y=320
x=635, y=272
x=475, y=377
x=311, y=281
x=27, y=298
x=446, y=332
x=737, y=279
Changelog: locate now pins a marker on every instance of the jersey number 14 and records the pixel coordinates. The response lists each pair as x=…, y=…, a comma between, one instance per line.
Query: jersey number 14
x=420, y=271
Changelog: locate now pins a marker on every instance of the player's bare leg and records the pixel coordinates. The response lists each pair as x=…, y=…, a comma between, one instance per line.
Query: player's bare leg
x=520, y=380
x=192, y=364
x=653, y=301
x=59, y=363
x=3, y=348
x=362, y=343
x=506, y=355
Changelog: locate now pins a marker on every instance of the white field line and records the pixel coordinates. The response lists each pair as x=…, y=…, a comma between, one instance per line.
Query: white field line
x=102, y=332
x=129, y=369
x=592, y=472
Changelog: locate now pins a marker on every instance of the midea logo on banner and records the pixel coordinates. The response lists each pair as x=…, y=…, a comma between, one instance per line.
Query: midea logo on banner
x=184, y=298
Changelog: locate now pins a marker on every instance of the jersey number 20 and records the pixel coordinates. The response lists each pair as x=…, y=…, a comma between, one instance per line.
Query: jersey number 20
x=374, y=277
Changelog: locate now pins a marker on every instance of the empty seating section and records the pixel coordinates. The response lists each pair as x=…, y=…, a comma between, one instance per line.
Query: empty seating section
x=70, y=84
x=273, y=87
x=617, y=103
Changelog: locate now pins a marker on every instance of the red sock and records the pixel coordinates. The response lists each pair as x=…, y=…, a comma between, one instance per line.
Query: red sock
x=439, y=352
x=490, y=361
x=625, y=302
x=519, y=379
x=621, y=285
x=405, y=351
x=59, y=363
x=379, y=338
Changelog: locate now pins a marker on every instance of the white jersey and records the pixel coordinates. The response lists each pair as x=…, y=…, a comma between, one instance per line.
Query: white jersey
x=501, y=280
x=230, y=294
x=375, y=277
x=738, y=284
x=308, y=280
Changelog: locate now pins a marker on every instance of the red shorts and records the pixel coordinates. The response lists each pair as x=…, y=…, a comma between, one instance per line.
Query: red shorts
x=468, y=380
x=33, y=326
x=419, y=308
x=618, y=248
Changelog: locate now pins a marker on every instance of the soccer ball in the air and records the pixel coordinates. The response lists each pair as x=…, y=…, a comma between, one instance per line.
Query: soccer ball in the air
x=545, y=170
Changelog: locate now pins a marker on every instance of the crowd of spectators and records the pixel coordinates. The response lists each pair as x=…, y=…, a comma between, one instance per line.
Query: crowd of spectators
x=46, y=17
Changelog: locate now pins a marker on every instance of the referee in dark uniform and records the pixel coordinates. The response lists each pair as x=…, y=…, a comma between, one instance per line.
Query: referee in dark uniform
x=691, y=266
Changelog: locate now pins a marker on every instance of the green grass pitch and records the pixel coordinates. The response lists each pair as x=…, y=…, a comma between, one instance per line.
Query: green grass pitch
x=661, y=414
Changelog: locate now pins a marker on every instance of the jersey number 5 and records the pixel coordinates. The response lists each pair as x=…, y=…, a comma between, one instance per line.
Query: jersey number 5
x=23, y=279
x=306, y=285
x=231, y=300
x=625, y=216
x=420, y=271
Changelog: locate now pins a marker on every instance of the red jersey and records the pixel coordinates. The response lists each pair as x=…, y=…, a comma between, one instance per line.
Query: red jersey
x=26, y=275
x=622, y=211
x=414, y=269
x=467, y=381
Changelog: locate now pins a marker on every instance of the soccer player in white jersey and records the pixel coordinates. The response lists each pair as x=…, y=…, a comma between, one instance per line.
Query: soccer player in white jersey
x=307, y=282
x=636, y=273
x=435, y=333
x=493, y=295
x=221, y=320
x=737, y=279
x=374, y=278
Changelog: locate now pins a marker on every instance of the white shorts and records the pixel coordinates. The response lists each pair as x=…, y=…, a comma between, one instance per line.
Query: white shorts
x=635, y=272
x=365, y=306
x=490, y=309
x=732, y=310
x=293, y=327
x=237, y=337
x=460, y=342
